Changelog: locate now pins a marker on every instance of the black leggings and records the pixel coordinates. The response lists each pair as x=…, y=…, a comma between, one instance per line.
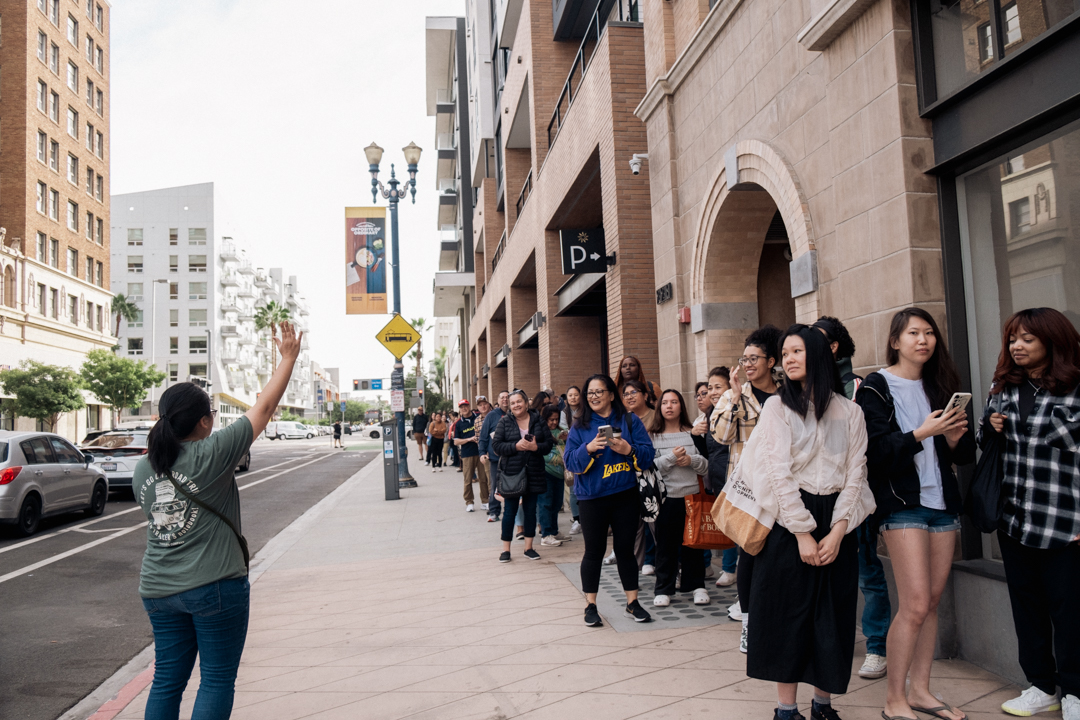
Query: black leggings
x=743, y=578
x=435, y=451
x=621, y=512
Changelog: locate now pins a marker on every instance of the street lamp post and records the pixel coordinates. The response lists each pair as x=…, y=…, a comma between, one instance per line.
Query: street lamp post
x=393, y=195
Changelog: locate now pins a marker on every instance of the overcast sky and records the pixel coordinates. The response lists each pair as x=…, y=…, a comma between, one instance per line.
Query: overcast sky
x=273, y=101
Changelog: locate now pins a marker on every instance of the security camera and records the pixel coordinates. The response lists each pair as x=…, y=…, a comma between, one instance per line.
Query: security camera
x=635, y=162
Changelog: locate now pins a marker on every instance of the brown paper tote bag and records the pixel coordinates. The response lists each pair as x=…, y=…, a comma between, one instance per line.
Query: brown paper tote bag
x=739, y=515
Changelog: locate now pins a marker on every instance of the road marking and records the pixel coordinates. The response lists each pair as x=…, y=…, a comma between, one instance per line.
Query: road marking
x=120, y=533
x=72, y=528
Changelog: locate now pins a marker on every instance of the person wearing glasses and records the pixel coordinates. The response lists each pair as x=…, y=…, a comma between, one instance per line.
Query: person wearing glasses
x=606, y=465
x=636, y=399
x=734, y=419
x=719, y=383
x=698, y=431
x=630, y=369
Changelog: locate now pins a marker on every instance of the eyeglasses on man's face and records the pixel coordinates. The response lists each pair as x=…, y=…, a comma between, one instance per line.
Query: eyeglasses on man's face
x=596, y=393
x=751, y=359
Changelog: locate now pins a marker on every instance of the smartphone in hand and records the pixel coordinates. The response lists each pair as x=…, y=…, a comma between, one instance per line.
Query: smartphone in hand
x=606, y=431
x=528, y=437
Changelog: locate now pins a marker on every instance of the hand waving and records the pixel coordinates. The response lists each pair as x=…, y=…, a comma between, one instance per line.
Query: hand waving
x=288, y=344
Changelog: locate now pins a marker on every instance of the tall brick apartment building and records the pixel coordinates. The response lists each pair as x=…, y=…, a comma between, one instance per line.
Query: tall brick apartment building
x=559, y=83
x=54, y=187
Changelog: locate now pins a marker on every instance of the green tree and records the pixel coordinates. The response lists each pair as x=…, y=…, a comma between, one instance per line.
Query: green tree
x=269, y=317
x=124, y=309
x=43, y=392
x=119, y=382
x=421, y=326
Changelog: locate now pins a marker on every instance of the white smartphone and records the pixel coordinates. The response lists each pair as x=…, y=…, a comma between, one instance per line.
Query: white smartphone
x=606, y=431
x=959, y=401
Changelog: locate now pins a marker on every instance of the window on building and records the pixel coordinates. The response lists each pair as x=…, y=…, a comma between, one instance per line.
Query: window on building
x=174, y=318
x=90, y=137
x=196, y=318
x=90, y=93
x=90, y=270
x=174, y=291
x=54, y=156
x=135, y=346
x=73, y=169
x=99, y=60
x=54, y=107
x=197, y=263
x=73, y=216
x=135, y=291
x=197, y=370
x=54, y=58
x=99, y=17
x=197, y=346
x=90, y=226
x=73, y=122
x=135, y=263
x=73, y=31
x=54, y=204
x=174, y=346
x=99, y=102
x=42, y=198
x=1019, y=217
x=99, y=146
x=54, y=253
x=174, y=263
x=42, y=248
x=197, y=291
x=174, y=371
x=93, y=417
x=100, y=233
x=42, y=96
x=99, y=188
x=73, y=309
x=99, y=274
x=43, y=299
x=137, y=320
x=43, y=6
x=54, y=303
x=90, y=181
x=174, y=235
x=196, y=236
x=89, y=49
x=42, y=148
x=89, y=317
x=73, y=262
x=100, y=315
x=1011, y=17
x=134, y=237
x=43, y=47
x=73, y=77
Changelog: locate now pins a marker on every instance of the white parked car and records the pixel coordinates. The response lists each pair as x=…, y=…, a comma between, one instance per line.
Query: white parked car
x=116, y=453
x=288, y=431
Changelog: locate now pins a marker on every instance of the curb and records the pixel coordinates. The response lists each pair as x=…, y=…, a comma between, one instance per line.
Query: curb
x=112, y=696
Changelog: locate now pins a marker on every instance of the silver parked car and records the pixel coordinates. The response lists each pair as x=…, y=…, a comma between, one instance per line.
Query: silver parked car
x=43, y=474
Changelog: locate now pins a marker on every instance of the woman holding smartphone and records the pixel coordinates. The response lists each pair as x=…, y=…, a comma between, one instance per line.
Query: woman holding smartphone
x=915, y=436
x=521, y=440
x=606, y=467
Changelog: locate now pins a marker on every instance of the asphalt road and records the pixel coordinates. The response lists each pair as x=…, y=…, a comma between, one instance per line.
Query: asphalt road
x=68, y=624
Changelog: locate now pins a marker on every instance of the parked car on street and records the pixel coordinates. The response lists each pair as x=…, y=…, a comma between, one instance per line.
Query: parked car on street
x=43, y=474
x=116, y=453
x=283, y=430
x=245, y=462
x=373, y=431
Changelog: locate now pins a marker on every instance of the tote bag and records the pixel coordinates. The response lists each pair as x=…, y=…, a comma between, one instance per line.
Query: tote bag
x=700, y=531
x=653, y=491
x=984, y=502
x=739, y=515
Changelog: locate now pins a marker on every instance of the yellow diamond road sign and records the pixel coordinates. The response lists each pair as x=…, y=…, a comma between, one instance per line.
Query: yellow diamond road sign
x=398, y=336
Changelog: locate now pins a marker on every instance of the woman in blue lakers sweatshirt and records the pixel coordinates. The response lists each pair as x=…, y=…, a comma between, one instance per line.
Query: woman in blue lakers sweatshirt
x=606, y=486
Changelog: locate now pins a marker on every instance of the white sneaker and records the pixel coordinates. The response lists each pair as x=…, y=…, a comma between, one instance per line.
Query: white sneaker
x=648, y=570
x=469, y=507
x=483, y=506
x=550, y=541
x=661, y=601
x=734, y=611
x=1070, y=707
x=1031, y=701
x=742, y=638
x=710, y=572
x=575, y=528
x=873, y=667
x=701, y=597
x=726, y=579
x=610, y=559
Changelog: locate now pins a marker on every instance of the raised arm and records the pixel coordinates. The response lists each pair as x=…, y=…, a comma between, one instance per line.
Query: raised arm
x=265, y=407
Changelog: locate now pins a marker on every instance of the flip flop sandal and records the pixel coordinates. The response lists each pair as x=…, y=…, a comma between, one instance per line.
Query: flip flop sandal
x=895, y=717
x=936, y=711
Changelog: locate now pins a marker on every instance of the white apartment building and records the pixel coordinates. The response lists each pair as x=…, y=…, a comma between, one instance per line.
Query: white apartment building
x=448, y=335
x=325, y=388
x=198, y=293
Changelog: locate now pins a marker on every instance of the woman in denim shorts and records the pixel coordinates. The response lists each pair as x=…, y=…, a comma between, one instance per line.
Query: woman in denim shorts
x=911, y=448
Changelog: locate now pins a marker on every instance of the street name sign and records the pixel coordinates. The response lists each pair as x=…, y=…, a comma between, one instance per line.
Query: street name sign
x=398, y=336
x=583, y=251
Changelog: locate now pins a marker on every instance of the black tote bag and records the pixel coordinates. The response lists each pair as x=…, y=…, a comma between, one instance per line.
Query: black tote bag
x=984, y=502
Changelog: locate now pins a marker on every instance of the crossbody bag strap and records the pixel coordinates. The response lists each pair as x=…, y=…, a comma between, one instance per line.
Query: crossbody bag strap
x=219, y=516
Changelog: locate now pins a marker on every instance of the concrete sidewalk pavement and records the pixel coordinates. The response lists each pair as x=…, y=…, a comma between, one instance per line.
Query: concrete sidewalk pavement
x=378, y=610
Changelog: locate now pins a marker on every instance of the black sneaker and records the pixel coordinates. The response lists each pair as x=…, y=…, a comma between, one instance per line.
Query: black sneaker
x=532, y=554
x=592, y=616
x=637, y=612
x=823, y=712
x=504, y=556
x=793, y=715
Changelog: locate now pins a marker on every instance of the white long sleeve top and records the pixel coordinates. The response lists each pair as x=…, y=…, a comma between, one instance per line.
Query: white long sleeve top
x=788, y=453
x=680, y=481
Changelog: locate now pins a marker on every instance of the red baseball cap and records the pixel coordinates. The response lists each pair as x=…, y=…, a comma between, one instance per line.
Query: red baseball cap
x=463, y=402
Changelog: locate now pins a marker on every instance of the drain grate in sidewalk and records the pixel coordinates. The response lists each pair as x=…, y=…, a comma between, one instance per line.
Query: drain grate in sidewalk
x=682, y=612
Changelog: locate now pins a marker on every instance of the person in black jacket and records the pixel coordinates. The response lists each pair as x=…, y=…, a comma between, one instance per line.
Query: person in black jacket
x=419, y=428
x=718, y=384
x=521, y=440
x=912, y=445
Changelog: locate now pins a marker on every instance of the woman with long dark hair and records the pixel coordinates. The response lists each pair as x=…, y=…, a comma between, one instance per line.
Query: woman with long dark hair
x=679, y=463
x=806, y=462
x=606, y=488
x=630, y=369
x=1035, y=403
x=193, y=582
x=521, y=440
x=913, y=442
x=574, y=407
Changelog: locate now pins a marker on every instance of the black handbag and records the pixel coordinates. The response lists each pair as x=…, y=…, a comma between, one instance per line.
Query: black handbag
x=513, y=485
x=984, y=501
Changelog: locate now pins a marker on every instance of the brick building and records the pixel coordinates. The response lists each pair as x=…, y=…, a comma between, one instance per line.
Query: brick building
x=54, y=187
x=559, y=82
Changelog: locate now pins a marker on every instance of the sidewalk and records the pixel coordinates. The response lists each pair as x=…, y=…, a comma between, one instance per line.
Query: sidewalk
x=383, y=610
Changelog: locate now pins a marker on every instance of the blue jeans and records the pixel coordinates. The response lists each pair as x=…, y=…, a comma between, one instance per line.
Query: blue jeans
x=730, y=560
x=921, y=518
x=877, y=612
x=210, y=621
x=494, y=506
x=573, y=504
x=548, y=505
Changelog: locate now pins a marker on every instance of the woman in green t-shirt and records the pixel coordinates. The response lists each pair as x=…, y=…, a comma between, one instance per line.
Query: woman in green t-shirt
x=194, y=582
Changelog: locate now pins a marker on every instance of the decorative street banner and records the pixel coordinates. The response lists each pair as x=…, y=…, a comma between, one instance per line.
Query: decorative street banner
x=365, y=261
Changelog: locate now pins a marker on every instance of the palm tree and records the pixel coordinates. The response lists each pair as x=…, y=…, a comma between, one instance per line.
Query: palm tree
x=124, y=310
x=439, y=376
x=268, y=317
x=418, y=325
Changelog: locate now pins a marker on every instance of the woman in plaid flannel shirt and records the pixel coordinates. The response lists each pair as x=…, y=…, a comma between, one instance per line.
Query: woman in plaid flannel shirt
x=1035, y=403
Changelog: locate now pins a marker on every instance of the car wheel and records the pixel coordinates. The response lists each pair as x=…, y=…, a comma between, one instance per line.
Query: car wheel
x=247, y=463
x=280, y=437
x=98, y=498
x=309, y=436
x=29, y=515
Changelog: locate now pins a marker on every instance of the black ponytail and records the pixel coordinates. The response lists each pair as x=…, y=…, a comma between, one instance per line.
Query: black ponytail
x=181, y=408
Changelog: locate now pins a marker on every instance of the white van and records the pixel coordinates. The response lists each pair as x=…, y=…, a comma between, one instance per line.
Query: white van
x=287, y=430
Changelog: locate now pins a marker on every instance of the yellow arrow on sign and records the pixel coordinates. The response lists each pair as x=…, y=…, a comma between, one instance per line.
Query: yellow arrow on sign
x=398, y=336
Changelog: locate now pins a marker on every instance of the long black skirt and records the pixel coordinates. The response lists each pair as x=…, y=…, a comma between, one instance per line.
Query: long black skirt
x=802, y=628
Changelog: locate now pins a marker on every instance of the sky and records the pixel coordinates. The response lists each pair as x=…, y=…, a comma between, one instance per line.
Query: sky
x=274, y=101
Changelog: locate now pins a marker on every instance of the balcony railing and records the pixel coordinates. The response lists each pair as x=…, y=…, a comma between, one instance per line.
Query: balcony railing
x=448, y=186
x=445, y=141
x=228, y=251
x=584, y=57
x=497, y=256
x=261, y=281
x=526, y=191
x=229, y=280
x=230, y=331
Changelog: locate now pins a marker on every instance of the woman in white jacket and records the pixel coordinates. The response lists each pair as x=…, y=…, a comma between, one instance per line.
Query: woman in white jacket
x=679, y=463
x=806, y=463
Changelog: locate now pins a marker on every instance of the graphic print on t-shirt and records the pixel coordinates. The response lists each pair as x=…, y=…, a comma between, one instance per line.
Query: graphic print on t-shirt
x=171, y=515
